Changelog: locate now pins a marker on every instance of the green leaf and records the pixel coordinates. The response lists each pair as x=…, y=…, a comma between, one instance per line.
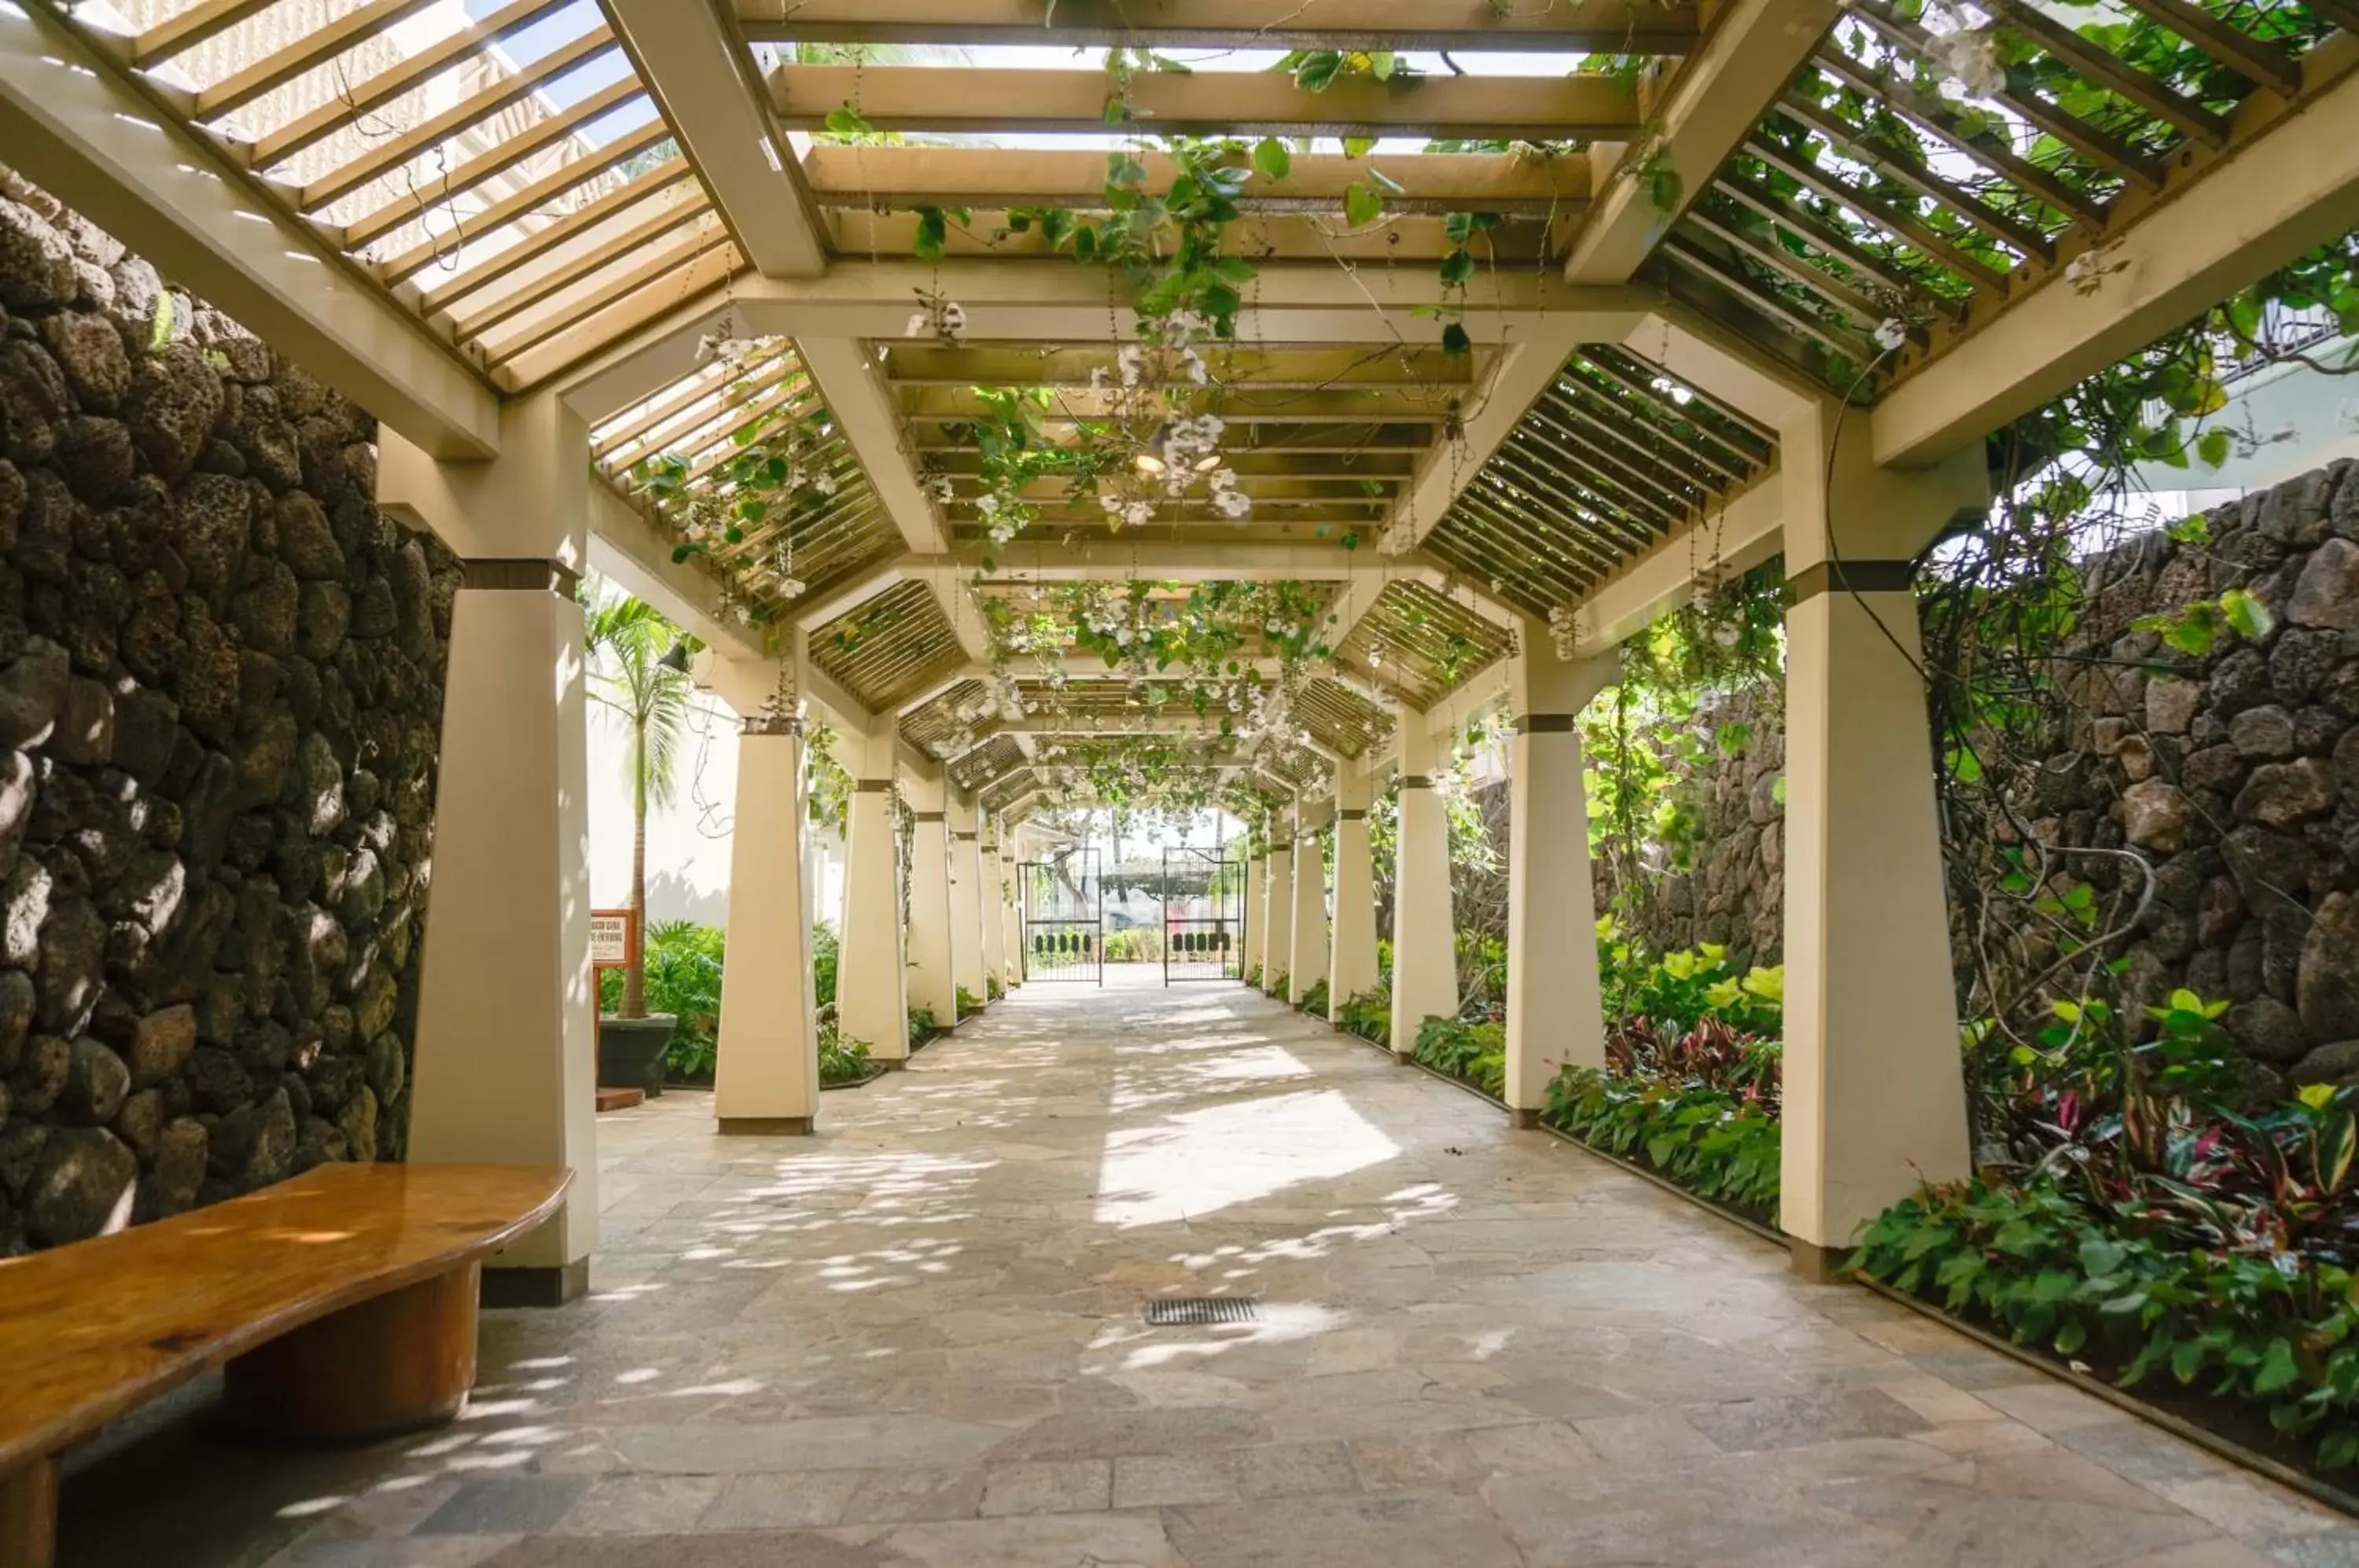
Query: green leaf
x=2277, y=1368
x=2212, y=448
x=1362, y=206
x=1316, y=69
x=1454, y=339
x=1457, y=267
x=2247, y=614
x=1271, y=159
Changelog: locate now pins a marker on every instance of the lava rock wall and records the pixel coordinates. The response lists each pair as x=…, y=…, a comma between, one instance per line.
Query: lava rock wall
x=221, y=693
x=2233, y=774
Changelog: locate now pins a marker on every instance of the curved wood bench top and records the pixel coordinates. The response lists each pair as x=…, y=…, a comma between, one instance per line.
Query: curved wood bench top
x=89, y=1331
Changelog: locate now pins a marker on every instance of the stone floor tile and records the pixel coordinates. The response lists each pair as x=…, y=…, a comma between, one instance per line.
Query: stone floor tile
x=509, y=1505
x=911, y=1497
x=1163, y=1480
x=2054, y=1406
x=640, y=1504
x=2212, y=1554
x=1744, y=1425
x=782, y=1501
x=2336, y=1548
x=1429, y=1529
x=1637, y=1440
x=1047, y=1487
x=1294, y=1470
x=2250, y=1508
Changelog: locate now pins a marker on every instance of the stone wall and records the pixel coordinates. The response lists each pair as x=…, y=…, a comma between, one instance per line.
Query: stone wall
x=2234, y=774
x=1734, y=893
x=221, y=688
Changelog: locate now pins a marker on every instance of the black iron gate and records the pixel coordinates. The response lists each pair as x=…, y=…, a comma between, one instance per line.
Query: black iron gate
x=1203, y=916
x=1064, y=911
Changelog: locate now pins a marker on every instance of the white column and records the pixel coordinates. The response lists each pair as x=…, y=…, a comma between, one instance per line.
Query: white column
x=991, y=907
x=871, y=980
x=1874, y=1096
x=1556, y=1014
x=506, y=1065
x=766, y=1077
x=966, y=897
x=1425, y=963
x=931, y=973
x=1011, y=906
x=1277, y=902
x=1353, y=968
x=1309, y=957
x=1256, y=945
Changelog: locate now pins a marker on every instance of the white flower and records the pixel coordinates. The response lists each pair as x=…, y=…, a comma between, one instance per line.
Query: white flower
x=1099, y=379
x=953, y=317
x=826, y=483
x=1891, y=333
x=1970, y=57
x=791, y=588
x=1232, y=503
x=1138, y=513
x=1193, y=363
x=988, y=505
x=1130, y=360
x=918, y=326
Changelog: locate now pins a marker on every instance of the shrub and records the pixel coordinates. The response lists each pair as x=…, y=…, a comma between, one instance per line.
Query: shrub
x=923, y=1025
x=1711, y=1142
x=683, y=965
x=841, y=1061
x=967, y=1003
x=1138, y=944
x=1279, y=987
x=1253, y=977
x=1369, y=1015
x=995, y=988
x=826, y=951
x=1315, y=999
x=1472, y=1053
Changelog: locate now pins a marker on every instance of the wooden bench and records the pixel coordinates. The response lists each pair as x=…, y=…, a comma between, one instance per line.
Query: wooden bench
x=342, y=1303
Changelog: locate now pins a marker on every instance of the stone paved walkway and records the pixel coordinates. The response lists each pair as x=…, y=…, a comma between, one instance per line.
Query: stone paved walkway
x=917, y=1339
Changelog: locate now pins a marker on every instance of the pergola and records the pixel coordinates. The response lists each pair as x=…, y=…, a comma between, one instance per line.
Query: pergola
x=1746, y=281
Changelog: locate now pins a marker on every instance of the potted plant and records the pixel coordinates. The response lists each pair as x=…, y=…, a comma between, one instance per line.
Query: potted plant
x=639, y=671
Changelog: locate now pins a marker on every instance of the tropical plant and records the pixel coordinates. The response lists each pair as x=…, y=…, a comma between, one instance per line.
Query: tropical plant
x=1314, y=1000
x=923, y=1026
x=826, y=955
x=1474, y=1054
x=966, y=1001
x=1368, y=1014
x=638, y=672
x=1713, y=1143
x=842, y=1061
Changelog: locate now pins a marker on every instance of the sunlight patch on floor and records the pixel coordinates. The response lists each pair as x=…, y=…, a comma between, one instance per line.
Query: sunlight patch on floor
x=1203, y=1161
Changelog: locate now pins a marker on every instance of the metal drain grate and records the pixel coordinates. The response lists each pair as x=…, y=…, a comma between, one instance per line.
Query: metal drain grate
x=1187, y=1311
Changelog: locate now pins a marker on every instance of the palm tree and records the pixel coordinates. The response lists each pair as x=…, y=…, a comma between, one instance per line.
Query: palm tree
x=639, y=671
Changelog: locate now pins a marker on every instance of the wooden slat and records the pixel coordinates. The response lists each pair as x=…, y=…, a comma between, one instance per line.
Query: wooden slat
x=1632, y=27
x=2263, y=64
x=1389, y=467
x=671, y=182
x=190, y=26
x=2099, y=146
x=596, y=331
x=319, y=46
x=917, y=364
x=1862, y=309
x=1365, y=407
x=1003, y=177
x=927, y=437
x=1850, y=349
x=686, y=406
x=574, y=269
x=527, y=201
x=384, y=156
x=949, y=101
x=282, y=142
x=517, y=149
x=1792, y=218
x=1905, y=170
x=1984, y=148
x=1900, y=225
x=1271, y=236
x=2112, y=73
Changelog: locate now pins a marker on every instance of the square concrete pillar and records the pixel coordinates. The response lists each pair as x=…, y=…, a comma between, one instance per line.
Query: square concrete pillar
x=932, y=973
x=1256, y=951
x=1309, y=966
x=767, y=1076
x=966, y=896
x=1555, y=1011
x=506, y=1052
x=871, y=977
x=1875, y=1092
x=992, y=907
x=1351, y=970
x=1277, y=906
x=1425, y=956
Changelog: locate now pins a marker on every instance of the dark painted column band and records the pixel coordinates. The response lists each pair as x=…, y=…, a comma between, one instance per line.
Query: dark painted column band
x=530, y=574
x=930, y=816
x=1853, y=577
x=1352, y=816
x=1546, y=723
x=1416, y=781
x=871, y=786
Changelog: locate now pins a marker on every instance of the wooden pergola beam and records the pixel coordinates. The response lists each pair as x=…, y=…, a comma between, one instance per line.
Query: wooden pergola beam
x=960, y=176
x=1240, y=367
x=1717, y=97
x=2287, y=183
x=700, y=77
x=1632, y=27
x=997, y=103
x=73, y=120
x=1242, y=406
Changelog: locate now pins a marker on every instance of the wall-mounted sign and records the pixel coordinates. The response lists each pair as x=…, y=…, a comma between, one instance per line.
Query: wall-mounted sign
x=614, y=938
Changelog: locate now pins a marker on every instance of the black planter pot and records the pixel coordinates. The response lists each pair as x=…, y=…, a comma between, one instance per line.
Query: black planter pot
x=631, y=1052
